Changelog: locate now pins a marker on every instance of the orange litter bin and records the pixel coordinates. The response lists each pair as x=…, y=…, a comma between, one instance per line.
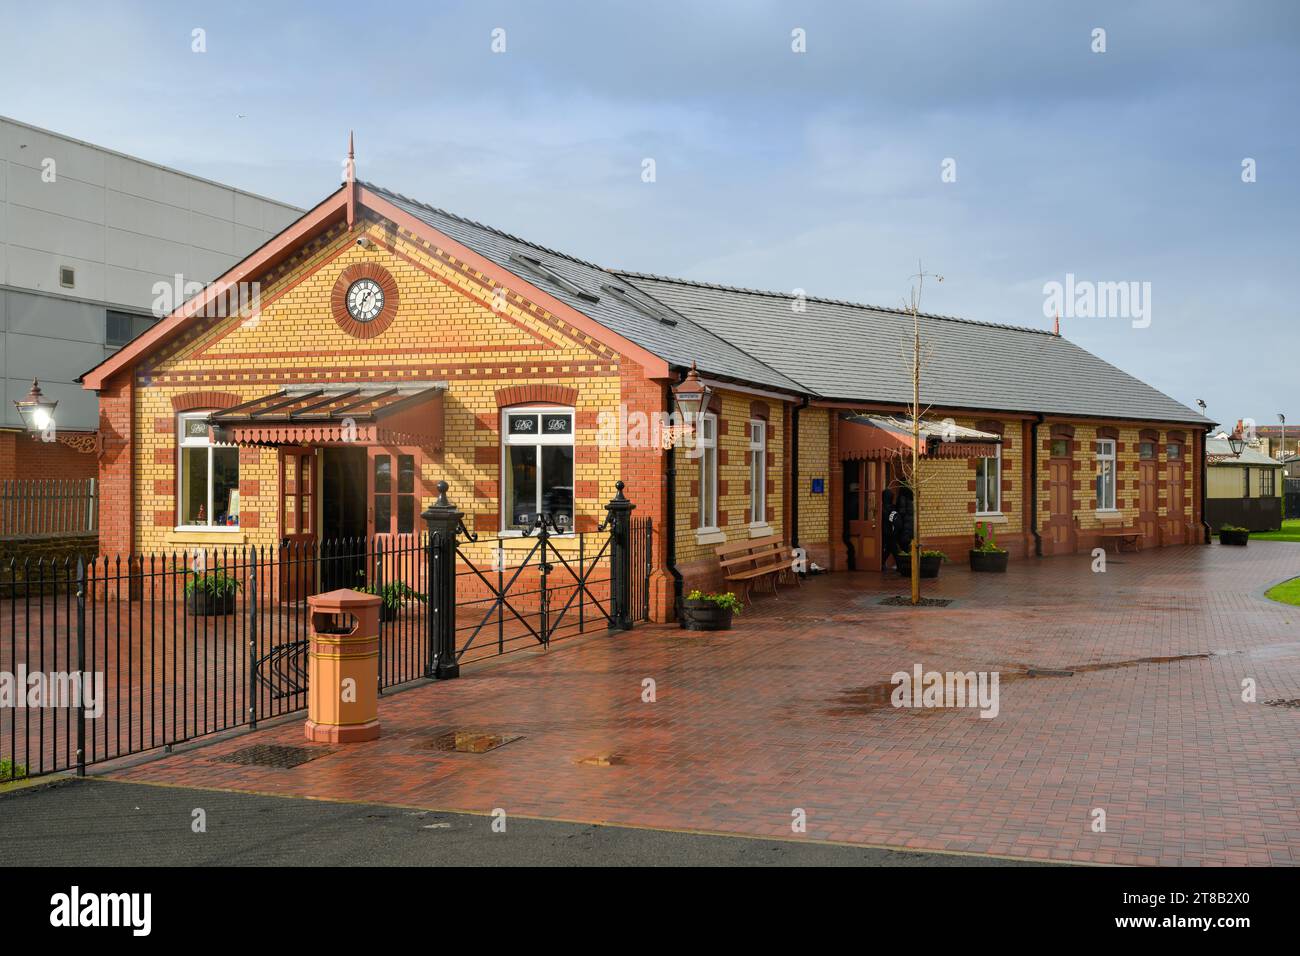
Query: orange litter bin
x=343, y=667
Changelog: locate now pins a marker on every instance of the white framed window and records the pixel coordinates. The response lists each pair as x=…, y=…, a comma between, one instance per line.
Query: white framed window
x=706, y=446
x=757, y=471
x=1105, y=474
x=988, y=485
x=536, y=467
x=207, y=486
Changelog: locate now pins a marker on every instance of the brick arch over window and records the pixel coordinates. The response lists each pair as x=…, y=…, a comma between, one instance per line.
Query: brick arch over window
x=990, y=425
x=1178, y=437
x=1062, y=431
x=1107, y=431
x=536, y=395
x=1149, y=434
x=759, y=410
x=188, y=401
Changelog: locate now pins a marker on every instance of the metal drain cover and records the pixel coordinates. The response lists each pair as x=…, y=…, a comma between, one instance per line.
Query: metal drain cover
x=603, y=760
x=471, y=741
x=899, y=600
x=274, y=755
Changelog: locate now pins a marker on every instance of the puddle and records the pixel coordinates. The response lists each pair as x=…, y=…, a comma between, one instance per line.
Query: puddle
x=470, y=741
x=873, y=698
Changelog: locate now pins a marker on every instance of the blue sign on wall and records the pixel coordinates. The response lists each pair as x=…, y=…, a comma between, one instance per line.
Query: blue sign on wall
x=819, y=486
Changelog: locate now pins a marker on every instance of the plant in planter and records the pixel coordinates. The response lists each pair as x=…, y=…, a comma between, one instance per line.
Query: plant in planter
x=1234, y=535
x=709, y=612
x=986, y=555
x=393, y=596
x=930, y=562
x=210, y=593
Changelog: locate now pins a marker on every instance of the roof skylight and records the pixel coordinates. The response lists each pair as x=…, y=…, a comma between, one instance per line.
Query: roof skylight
x=540, y=269
x=644, y=306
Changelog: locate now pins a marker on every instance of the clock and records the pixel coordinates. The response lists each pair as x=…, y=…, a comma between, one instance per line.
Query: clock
x=365, y=300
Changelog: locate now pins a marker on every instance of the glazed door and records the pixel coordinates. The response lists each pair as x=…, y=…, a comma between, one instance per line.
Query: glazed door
x=865, y=527
x=1148, y=520
x=393, y=515
x=1176, y=525
x=297, y=523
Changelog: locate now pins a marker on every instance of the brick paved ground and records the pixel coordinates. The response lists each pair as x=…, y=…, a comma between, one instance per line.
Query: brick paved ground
x=791, y=710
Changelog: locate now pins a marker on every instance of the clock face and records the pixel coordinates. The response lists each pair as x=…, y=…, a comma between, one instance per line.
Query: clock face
x=365, y=300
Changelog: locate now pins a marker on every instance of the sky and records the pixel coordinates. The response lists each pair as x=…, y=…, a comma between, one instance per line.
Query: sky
x=1006, y=145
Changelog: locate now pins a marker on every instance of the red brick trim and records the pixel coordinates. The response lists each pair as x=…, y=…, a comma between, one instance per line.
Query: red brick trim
x=1109, y=432
x=339, y=300
x=1062, y=431
x=990, y=425
x=1149, y=434
x=189, y=401
x=537, y=395
x=1177, y=437
x=759, y=410
x=486, y=454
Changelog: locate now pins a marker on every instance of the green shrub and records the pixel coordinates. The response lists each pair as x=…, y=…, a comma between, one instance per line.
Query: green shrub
x=931, y=553
x=1234, y=529
x=11, y=771
x=394, y=594
x=728, y=601
x=214, y=584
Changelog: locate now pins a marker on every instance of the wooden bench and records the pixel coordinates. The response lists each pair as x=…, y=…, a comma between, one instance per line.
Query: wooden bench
x=758, y=559
x=1126, y=539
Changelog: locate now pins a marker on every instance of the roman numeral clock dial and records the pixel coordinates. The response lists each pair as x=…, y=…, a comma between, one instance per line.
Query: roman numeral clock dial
x=365, y=300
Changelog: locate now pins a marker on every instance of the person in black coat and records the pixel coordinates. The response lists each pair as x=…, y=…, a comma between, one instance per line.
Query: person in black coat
x=904, y=513
x=888, y=549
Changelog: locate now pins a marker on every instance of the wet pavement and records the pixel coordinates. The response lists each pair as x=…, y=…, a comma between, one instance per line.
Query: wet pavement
x=1118, y=692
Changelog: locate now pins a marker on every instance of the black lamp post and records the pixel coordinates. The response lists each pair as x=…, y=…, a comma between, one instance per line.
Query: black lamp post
x=691, y=395
x=36, y=411
x=1237, y=441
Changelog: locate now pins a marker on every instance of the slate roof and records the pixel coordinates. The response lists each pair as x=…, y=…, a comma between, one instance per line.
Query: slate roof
x=844, y=350
x=834, y=349
x=681, y=344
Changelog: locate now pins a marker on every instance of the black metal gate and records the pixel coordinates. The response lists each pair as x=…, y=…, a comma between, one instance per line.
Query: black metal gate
x=543, y=584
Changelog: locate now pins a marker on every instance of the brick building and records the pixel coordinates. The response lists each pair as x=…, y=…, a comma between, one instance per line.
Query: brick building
x=397, y=345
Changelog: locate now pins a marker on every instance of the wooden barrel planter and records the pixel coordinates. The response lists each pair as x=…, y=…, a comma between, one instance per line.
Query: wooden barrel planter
x=200, y=603
x=994, y=562
x=702, y=615
x=930, y=565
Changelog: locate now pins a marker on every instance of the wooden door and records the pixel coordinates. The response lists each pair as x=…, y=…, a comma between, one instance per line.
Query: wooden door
x=1060, y=523
x=1175, y=507
x=297, y=523
x=1148, y=520
x=865, y=529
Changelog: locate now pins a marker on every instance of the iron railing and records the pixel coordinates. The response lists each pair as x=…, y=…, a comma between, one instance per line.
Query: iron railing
x=179, y=646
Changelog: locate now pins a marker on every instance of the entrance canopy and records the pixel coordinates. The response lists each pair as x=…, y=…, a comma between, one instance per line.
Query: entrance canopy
x=407, y=414
x=884, y=436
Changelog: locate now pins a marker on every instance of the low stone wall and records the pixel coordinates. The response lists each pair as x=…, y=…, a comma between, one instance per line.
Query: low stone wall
x=23, y=559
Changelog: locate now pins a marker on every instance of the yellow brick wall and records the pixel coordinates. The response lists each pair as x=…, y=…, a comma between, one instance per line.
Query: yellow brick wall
x=440, y=333
x=734, y=502
x=945, y=492
x=814, y=452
